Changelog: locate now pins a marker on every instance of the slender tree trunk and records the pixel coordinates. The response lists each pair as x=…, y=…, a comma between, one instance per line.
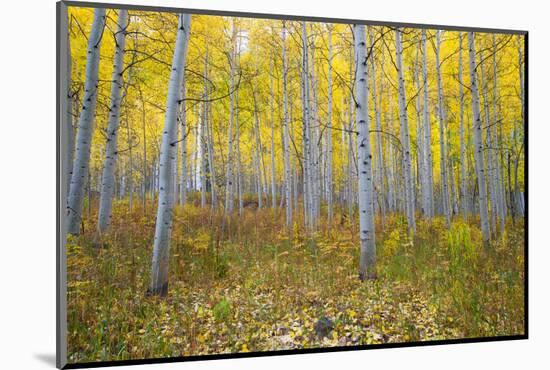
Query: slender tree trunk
x=111, y=151
x=405, y=140
x=421, y=181
x=202, y=138
x=163, y=229
x=343, y=136
x=377, y=99
x=493, y=129
x=350, y=196
x=513, y=191
x=392, y=194
x=367, y=261
x=442, y=149
x=329, y=181
x=258, y=150
x=308, y=196
x=229, y=183
x=478, y=142
x=130, y=161
x=210, y=151
x=238, y=144
x=286, y=141
x=69, y=118
x=463, y=190
x=200, y=155
x=428, y=161
x=272, y=151
x=85, y=126
x=293, y=158
x=493, y=202
x=183, y=146
x=315, y=166
x=145, y=167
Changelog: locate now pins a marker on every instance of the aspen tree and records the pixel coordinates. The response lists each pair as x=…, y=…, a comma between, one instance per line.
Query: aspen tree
x=183, y=146
x=367, y=260
x=377, y=99
x=405, y=139
x=464, y=195
x=442, y=148
x=111, y=151
x=308, y=196
x=329, y=154
x=85, y=126
x=428, y=162
x=478, y=142
x=286, y=141
x=272, y=122
x=493, y=130
x=163, y=227
x=229, y=182
x=69, y=118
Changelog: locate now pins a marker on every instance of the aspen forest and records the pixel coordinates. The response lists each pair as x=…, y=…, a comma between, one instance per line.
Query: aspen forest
x=246, y=185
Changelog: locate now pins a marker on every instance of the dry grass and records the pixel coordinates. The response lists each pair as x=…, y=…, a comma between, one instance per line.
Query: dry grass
x=248, y=284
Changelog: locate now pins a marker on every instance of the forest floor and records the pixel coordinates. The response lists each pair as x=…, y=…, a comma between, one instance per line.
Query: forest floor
x=241, y=284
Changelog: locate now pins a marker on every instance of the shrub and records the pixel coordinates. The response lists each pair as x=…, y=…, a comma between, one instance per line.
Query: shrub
x=222, y=310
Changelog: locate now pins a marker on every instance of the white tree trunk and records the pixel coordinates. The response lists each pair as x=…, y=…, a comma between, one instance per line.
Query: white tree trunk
x=272, y=151
x=145, y=167
x=204, y=133
x=329, y=181
x=229, y=181
x=377, y=99
x=392, y=194
x=258, y=151
x=163, y=228
x=315, y=140
x=308, y=196
x=428, y=161
x=183, y=146
x=201, y=146
x=499, y=183
x=464, y=199
x=210, y=151
x=442, y=149
x=286, y=141
x=367, y=261
x=420, y=180
x=405, y=139
x=111, y=151
x=493, y=202
x=69, y=118
x=85, y=125
x=349, y=194
x=478, y=142
x=238, y=144
x=131, y=162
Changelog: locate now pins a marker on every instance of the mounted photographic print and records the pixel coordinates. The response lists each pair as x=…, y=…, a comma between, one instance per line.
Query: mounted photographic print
x=234, y=184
